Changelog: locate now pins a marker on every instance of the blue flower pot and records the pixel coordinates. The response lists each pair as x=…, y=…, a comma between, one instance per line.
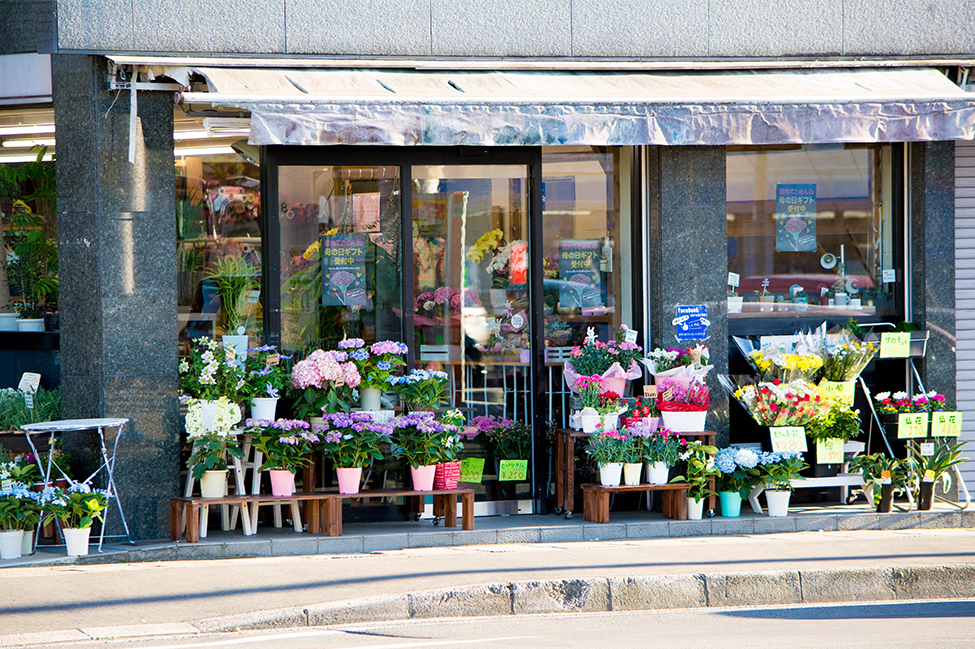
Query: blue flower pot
x=730, y=504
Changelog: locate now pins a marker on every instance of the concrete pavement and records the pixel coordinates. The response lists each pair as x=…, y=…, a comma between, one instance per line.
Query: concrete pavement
x=74, y=602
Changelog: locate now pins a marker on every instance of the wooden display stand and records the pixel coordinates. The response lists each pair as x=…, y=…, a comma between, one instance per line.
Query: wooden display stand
x=595, y=500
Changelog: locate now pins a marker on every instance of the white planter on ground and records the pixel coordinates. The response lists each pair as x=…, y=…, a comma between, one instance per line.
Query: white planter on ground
x=11, y=544
x=28, y=547
x=657, y=473
x=778, y=501
x=265, y=408
x=631, y=473
x=76, y=540
x=611, y=474
x=695, y=509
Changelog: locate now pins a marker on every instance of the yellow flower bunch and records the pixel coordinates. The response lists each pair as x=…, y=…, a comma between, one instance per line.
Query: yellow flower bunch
x=785, y=367
x=488, y=241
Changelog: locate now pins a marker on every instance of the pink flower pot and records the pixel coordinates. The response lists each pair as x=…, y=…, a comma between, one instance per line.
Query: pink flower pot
x=423, y=477
x=349, y=479
x=282, y=482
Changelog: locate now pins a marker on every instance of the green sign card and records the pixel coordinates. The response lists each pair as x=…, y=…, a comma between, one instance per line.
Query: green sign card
x=471, y=469
x=788, y=438
x=911, y=425
x=513, y=470
x=945, y=424
x=895, y=344
x=829, y=451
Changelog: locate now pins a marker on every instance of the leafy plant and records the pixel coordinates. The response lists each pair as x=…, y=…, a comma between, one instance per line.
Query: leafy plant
x=421, y=389
x=839, y=421
x=420, y=439
x=20, y=509
x=78, y=506
x=353, y=440
x=211, y=453
x=283, y=442
x=700, y=470
x=234, y=277
x=14, y=412
x=33, y=270
x=873, y=466
x=778, y=469
x=935, y=467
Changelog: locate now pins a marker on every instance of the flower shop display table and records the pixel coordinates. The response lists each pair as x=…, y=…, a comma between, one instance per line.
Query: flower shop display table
x=326, y=518
x=595, y=500
x=565, y=466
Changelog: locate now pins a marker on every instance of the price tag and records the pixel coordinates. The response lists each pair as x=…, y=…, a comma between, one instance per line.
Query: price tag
x=912, y=425
x=845, y=391
x=230, y=352
x=6, y=485
x=471, y=469
x=788, y=438
x=517, y=321
x=274, y=359
x=945, y=424
x=513, y=470
x=253, y=297
x=885, y=477
x=829, y=451
x=649, y=392
x=928, y=476
x=630, y=336
x=889, y=276
x=29, y=400
x=895, y=345
x=734, y=279
x=855, y=303
x=927, y=449
x=29, y=382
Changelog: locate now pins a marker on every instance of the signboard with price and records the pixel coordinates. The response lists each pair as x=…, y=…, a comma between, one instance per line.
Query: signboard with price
x=911, y=425
x=513, y=471
x=842, y=390
x=471, y=469
x=945, y=424
x=829, y=451
x=788, y=438
x=895, y=345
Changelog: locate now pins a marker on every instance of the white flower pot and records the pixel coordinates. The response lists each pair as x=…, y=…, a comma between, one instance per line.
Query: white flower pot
x=76, y=540
x=239, y=345
x=778, y=501
x=265, y=408
x=695, y=509
x=8, y=322
x=611, y=474
x=213, y=484
x=611, y=421
x=371, y=399
x=589, y=423
x=631, y=473
x=28, y=547
x=30, y=324
x=657, y=473
x=11, y=544
x=735, y=303
x=685, y=422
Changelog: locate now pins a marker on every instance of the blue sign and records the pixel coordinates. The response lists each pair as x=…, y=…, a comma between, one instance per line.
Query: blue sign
x=692, y=322
x=795, y=218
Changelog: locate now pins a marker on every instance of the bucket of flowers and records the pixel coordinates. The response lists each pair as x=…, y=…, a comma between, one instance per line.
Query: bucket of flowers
x=845, y=358
x=775, y=403
x=353, y=441
x=615, y=361
x=283, y=444
x=684, y=408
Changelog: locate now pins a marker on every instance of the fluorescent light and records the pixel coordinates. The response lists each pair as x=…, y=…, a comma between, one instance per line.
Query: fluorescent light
x=25, y=144
x=11, y=159
x=26, y=129
x=189, y=135
x=205, y=150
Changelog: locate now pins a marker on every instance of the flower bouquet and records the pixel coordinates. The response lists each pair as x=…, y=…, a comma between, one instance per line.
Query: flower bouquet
x=774, y=403
x=210, y=372
x=615, y=361
x=846, y=356
x=423, y=390
x=324, y=381
x=683, y=408
x=692, y=362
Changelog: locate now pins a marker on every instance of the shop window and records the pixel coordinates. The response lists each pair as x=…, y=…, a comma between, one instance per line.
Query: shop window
x=811, y=232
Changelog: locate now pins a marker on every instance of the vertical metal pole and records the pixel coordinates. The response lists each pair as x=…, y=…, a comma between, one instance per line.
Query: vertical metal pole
x=270, y=250
x=536, y=298
x=406, y=262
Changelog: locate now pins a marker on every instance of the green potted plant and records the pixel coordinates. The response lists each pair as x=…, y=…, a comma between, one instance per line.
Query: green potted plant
x=234, y=279
x=777, y=470
x=19, y=513
x=661, y=451
x=75, y=508
x=33, y=268
x=422, y=390
x=931, y=468
x=266, y=373
x=420, y=439
x=891, y=474
x=212, y=444
x=700, y=473
x=608, y=451
x=353, y=441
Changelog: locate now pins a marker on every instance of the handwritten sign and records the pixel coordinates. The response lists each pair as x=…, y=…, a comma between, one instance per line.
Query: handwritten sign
x=845, y=391
x=692, y=322
x=513, y=471
x=895, y=344
x=795, y=218
x=344, y=270
x=928, y=476
x=29, y=382
x=273, y=359
x=734, y=279
x=788, y=438
x=889, y=276
x=630, y=336
x=911, y=425
x=649, y=392
x=581, y=284
x=471, y=469
x=945, y=424
x=829, y=451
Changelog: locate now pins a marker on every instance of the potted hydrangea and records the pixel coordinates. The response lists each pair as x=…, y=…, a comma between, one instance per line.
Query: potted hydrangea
x=19, y=513
x=324, y=381
x=209, y=374
x=738, y=474
x=376, y=363
x=266, y=373
x=422, y=390
x=353, y=441
x=75, y=508
x=208, y=459
x=283, y=444
x=420, y=439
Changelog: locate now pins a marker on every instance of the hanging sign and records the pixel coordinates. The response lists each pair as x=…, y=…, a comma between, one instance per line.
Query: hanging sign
x=795, y=218
x=513, y=471
x=945, y=424
x=471, y=469
x=911, y=425
x=895, y=344
x=829, y=451
x=344, y=270
x=788, y=438
x=692, y=322
x=580, y=282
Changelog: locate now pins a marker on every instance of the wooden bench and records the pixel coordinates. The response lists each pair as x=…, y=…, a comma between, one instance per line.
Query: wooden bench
x=326, y=517
x=595, y=500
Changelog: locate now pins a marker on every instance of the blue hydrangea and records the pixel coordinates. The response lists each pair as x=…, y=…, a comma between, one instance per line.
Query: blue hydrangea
x=725, y=460
x=360, y=354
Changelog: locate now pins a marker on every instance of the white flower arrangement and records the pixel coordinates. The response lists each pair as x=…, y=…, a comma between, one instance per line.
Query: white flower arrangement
x=227, y=416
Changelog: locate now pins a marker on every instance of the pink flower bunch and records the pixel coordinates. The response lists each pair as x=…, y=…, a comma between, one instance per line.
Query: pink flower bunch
x=594, y=381
x=321, y=366
x=388, y=347
x=443, y=295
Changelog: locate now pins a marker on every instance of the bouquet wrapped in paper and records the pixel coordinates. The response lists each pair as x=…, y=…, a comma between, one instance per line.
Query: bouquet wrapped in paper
x=692, y=362
x=614, y=361
x=846, y=356
x=674, y=395
x=775, y=403
x=776, y=364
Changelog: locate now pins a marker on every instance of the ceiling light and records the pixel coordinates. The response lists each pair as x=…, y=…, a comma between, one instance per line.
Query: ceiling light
x=190, y=135
x=11, y=159
x=205, y=150
x=26, y=129
x=26, y=144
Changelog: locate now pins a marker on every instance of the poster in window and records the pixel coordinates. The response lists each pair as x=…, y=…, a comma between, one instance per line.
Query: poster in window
x=344, y=270
x=795, y=218
x=580, y=284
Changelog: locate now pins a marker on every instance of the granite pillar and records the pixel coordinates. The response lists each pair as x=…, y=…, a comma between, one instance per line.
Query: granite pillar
x=688, y=242
x=117, y=239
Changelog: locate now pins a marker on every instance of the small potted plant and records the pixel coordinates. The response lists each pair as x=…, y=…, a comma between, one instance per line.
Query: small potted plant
x=208, y=459
x=353, y=441
x=891, y=474
x=929, y=469
x=75, y=508
x=234, y=279
x=700, y=473
x=777, y=471
x=19, y=513
x=266, y=373
x=661, y=451
x=608, y=451
x=376, y=363
x=283, y=444
x=422, y=390
x=738, y=474
x=589, y=389
x=609, y=409
x=419, y=438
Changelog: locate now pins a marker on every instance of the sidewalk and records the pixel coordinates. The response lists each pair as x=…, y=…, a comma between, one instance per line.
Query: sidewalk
x=512, y=568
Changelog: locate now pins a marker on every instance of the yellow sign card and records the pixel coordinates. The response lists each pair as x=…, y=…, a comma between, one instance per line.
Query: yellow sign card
x=829, y=451
x=911, y=425
x=895, y=344
x=945, y=424
x=513, y=470
x=842, y=390
x=788, y=438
